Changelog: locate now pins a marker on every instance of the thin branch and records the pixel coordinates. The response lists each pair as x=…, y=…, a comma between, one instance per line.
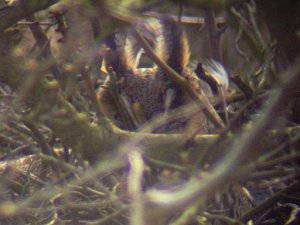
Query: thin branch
x=135, y=180
x=187, y=215
x=200, y=99
x=158, y=163
x=120, y=103
x=110, y=217
x=223, y=218
x=237, y=47
x=13, y=13
x=243, y=144
x=90, y=89
x=247, y=91
x=244, y=25
x=260, y=209
x=44, y=44
x=33, y=23
x=213, y=34
x=39, y=137
x=22, y=150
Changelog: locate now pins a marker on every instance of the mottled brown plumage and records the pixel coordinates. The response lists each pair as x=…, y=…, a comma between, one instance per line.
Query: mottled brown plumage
x=148, y=93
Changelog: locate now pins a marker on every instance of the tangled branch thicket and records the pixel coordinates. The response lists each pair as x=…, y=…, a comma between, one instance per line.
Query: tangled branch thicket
x=63, y=162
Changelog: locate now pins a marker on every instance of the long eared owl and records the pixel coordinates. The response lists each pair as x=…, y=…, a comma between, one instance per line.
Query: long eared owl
x=136, y=95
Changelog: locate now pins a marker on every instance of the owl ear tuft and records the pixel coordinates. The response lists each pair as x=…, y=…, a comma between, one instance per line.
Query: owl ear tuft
x=168, y=40
x=121, y=52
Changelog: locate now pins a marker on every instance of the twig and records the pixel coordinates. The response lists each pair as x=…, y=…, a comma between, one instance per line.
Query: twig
x=90, y=90
x=260, y=209
x=221, y=91
x=172, y=166
x=262, y=162
x=267, y=51
x=199, y=99
x=253, y=34
x=22, y=150
x=244, y=25
x=39, y=137
x=269, y=174
x=197, y=20
x=243, y=144
x=187, y=215
x=252, y=10
x=61, y=24
x=12, y=142
x=120, y=104
x=226, y=134
x=53, y=161
x=283, y=159
x=135, y=179
x=223, y=218
x=237, y=47
x=14, y=13
x=247, y=91
x=191, y=19
x=110, y=217
x=213, y=34
x=44, y=43
x=34, y=23
x=20, y=128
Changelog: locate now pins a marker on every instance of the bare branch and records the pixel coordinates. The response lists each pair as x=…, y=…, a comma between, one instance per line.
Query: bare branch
x=22, y=9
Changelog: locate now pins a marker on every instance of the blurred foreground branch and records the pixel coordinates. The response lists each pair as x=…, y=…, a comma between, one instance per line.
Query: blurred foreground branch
x=21, y=9
x=242, y=146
